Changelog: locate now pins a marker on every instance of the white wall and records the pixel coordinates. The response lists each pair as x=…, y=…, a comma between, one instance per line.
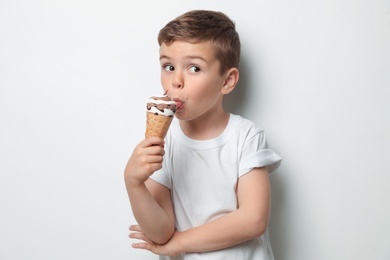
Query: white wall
x=74, y=76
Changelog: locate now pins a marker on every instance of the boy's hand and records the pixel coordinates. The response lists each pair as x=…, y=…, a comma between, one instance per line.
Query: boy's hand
x=147, y=158
x=167, y=249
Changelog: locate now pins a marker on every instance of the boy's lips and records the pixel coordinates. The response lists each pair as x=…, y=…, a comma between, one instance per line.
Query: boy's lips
x=179, y=103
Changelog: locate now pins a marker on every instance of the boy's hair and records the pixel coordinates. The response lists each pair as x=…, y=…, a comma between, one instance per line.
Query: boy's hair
x=203, y=25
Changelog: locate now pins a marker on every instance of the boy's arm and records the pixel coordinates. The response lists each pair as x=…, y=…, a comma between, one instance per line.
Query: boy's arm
x=152, y=208
x=150, y=201
x=249, y=221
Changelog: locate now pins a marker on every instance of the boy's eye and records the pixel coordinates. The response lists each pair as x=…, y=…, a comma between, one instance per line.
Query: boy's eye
x=169, y=68
x=194, y=69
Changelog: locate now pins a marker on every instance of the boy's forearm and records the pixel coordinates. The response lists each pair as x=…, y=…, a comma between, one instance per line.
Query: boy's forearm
x=229, y=230
x=150, y=216
x=249, y=221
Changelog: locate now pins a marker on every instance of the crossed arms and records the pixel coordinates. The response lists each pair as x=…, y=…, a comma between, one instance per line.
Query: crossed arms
x=152, y=207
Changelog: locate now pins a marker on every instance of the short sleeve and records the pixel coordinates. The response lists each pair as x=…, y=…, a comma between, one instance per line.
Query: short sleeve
x=256, y=154
x=161, y=176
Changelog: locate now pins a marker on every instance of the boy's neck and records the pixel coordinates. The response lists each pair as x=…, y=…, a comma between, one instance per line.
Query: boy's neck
x=205, y=127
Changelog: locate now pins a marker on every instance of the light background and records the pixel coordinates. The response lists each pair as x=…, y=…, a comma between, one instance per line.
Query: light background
x=74, y=77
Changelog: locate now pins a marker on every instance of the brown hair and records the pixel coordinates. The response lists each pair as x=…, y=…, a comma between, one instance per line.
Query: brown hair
x=203, y=25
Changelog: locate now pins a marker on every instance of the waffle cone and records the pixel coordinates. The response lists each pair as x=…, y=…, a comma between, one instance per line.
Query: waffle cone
x=157, y=125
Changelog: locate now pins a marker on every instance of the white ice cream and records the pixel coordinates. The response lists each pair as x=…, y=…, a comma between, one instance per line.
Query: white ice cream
x=161, y=106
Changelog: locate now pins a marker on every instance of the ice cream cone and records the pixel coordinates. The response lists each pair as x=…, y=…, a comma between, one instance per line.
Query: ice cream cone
x=159, y=115
x=157, y=125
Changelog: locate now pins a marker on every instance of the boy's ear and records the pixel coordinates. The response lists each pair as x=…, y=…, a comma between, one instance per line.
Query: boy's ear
x=231, y=79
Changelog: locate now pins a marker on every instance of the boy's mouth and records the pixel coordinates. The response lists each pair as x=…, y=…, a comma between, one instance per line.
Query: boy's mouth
x=179, y=103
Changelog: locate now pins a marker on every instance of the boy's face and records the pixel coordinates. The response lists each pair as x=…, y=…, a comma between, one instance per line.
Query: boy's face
x=190, y=74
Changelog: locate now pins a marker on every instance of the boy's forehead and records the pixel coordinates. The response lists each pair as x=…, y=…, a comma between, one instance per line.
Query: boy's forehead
x=204, y=48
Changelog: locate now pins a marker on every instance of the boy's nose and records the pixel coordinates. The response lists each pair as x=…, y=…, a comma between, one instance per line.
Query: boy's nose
x=177, y=80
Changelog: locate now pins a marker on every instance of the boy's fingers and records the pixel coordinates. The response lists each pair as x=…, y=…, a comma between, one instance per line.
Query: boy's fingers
x=155, y=159
x=150, y=141
x=139, y=236
x=158, y=150
x=135, y=228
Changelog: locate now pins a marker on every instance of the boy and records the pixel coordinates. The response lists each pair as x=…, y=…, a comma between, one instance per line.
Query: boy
x=210, y=196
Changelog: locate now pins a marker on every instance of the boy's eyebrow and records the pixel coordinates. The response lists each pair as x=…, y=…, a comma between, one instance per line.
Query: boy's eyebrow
x=190, y=57
x=164, y=57
x=196, y=57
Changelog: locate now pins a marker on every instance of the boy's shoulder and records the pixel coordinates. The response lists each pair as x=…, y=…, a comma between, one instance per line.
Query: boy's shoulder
x=245, y=129
x=244, y=125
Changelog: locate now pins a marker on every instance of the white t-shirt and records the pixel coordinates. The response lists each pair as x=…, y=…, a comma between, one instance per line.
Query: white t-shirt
x=202, y=176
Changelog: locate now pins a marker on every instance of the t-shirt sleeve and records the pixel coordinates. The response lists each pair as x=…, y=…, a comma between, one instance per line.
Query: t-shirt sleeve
x=256, y=154
x=161, y=176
